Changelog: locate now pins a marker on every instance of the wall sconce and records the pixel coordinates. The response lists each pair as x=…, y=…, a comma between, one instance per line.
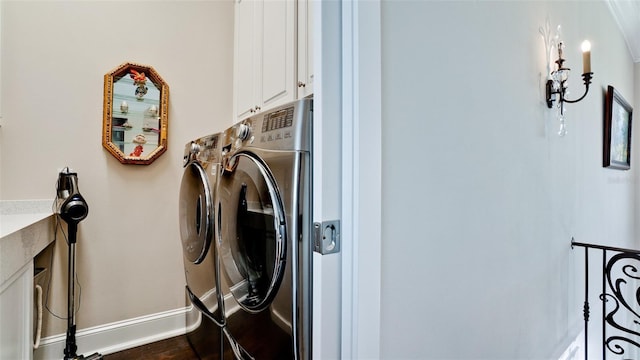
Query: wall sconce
x=556, y=87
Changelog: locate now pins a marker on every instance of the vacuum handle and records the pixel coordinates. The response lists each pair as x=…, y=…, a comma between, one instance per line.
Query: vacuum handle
x=72, y=228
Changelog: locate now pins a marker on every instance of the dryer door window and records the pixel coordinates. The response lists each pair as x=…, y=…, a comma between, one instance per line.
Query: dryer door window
x=252, y=238
x=195, y=213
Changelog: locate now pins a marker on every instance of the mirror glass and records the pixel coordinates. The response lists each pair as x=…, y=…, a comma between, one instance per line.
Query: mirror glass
x=136, y=104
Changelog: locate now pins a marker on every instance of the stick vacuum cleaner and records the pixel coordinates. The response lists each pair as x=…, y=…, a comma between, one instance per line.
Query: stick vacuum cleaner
x=72, y=208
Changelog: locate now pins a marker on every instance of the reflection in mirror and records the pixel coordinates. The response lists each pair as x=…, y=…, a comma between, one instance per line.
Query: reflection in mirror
x=135, y=114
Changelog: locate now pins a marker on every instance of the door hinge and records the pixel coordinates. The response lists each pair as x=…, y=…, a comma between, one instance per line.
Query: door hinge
x=326, y=237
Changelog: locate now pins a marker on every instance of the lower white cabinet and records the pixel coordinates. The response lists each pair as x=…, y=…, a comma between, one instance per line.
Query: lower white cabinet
x=16, y=315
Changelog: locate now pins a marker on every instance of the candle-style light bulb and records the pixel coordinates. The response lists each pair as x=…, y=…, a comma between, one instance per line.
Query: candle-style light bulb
x=586, y=57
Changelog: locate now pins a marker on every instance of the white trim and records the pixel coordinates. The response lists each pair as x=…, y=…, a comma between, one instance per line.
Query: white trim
x=362, y=183
x=1, y=120
x=571, y=347
x=326, y=175
x=317, y=339
x=118, y=336
x=625, y=14
x=349, y=262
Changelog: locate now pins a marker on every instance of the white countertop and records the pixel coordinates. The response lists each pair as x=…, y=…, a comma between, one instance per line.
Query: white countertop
x=26, y=228
x=12, y=223
x=17, y=214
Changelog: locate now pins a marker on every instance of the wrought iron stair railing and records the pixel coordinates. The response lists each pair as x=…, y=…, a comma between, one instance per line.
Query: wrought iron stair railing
x=620, y=301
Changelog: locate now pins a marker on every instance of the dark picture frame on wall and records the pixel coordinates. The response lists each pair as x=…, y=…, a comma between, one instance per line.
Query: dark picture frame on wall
x=618, y=115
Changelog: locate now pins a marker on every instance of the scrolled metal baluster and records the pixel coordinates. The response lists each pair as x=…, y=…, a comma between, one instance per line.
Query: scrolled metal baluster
x=585, y=308
x=617, y=348
x=621, y=304
x=620, y=274
x=585, y=311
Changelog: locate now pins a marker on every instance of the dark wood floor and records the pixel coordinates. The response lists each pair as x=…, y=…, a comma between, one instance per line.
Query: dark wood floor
x=176, y=348
x=257, y=333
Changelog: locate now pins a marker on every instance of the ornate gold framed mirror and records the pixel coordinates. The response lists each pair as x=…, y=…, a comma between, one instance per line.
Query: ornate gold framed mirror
x=135, y=114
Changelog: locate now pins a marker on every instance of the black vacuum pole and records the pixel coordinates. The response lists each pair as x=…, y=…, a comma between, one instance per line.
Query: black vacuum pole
x=70, y=343
x=72, y=209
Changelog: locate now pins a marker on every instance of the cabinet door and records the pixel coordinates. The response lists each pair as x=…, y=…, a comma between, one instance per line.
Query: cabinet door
x=278, y=54
x=264, y=55
x=16, y=304
x=246, y=52
x=305, y=48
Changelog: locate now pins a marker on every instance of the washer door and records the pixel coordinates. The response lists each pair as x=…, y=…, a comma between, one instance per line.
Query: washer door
x=252, y=232
x=196, y=213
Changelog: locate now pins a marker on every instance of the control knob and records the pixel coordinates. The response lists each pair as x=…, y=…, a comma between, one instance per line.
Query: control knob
x=195, y=148
x=243, y=131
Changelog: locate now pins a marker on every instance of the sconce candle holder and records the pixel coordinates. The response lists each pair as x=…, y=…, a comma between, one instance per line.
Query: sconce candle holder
x=559, y=87
x=556, y=86
x=558, y=82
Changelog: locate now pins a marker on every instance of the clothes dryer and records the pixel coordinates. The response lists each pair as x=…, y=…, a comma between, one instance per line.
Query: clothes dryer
x=197, y=228
x=264, y=231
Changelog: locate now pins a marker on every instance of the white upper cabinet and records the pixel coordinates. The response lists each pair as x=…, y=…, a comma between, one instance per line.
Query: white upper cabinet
x=305, y=48
x=264, y=66
x=246, y=50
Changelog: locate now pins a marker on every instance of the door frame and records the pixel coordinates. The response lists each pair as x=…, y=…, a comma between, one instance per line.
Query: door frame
x=347, y=300
x=362, y=179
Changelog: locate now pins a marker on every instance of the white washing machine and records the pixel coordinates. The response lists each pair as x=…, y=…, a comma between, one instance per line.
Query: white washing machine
x=197, y=228
x=265, y=232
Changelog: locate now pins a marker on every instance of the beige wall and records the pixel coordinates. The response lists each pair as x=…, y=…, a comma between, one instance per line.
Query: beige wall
x=54, y=56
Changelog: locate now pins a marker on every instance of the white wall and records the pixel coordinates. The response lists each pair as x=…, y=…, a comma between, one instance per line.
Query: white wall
x=480, y=196
x=636, y=149
x=54, y=57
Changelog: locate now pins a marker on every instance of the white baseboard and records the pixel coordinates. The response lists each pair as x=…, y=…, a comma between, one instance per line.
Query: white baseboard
x=117, y=336
x=572, y=346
